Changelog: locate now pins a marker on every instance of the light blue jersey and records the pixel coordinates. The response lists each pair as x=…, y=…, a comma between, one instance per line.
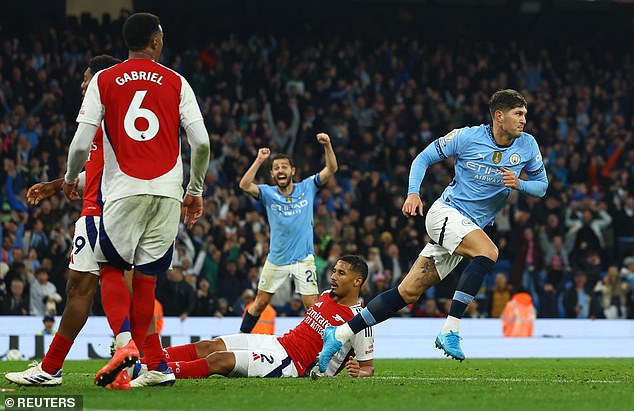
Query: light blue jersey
x=291, y=220
x=477, y=191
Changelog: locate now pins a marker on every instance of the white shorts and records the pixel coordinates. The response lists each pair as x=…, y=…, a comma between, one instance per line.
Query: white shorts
x=139, y=230
x=303, y=272
x=259, y=355
x=83, y=257
x=446, y=227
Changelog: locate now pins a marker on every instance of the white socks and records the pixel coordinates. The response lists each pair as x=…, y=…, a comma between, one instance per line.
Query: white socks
x=343, y=333
x=451, y=324
x=123, y=338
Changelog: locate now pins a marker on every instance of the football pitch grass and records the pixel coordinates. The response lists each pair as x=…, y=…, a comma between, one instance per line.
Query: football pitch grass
x=478, y=384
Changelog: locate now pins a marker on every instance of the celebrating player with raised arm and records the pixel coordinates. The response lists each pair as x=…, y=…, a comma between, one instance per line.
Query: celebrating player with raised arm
x=289, y=209
x=292, y=355
x=83, y=271
x=143, y=105
x=488, y=161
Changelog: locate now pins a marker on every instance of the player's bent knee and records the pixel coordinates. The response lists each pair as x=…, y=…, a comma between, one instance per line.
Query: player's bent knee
x=81, y=285
x=222, y=362
x=409, y=292
x=207, y=347
x=492, y=253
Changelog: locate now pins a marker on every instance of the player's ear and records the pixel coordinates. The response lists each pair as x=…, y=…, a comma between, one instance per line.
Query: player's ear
x=498, y=115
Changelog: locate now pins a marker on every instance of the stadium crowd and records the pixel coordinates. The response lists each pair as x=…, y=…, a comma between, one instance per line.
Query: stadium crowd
x=381, y=103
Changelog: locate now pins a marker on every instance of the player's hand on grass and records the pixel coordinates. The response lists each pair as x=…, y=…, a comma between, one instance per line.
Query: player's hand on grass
x=412, y=206
x=354, y=370
x=192, y=209
x=70, y=190
x=509, y=179
x=323, y=139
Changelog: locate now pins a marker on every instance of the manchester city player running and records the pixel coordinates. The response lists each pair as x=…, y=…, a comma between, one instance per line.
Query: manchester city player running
x=488, y=160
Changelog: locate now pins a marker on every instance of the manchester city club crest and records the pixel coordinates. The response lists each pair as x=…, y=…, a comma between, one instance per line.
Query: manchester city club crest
x=497, y=157
x=515, y=159
x=289, y=199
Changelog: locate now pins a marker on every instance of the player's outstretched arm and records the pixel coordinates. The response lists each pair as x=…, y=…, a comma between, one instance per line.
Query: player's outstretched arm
x=360, y=369
x=331, y=160
x=246, y=182
x=413, y=205
x=40, y=191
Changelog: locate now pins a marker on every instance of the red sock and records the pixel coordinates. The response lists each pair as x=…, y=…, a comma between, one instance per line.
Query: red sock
x=56, y=354
x=190, y=369
x=142, y=309
x=185, y=352
x=154, y=354
x=115, y=299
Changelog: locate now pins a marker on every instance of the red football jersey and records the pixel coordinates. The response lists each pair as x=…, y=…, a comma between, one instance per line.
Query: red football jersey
x=143, y=104
x=304, y=342
x=93, y=169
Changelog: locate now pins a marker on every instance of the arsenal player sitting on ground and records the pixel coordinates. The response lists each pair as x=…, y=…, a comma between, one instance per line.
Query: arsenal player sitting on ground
x=294, y=354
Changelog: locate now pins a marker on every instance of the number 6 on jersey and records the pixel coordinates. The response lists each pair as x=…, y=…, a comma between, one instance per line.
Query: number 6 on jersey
x=136, y=112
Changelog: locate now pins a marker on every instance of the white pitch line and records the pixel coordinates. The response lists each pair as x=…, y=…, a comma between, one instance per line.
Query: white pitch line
x=488, y=379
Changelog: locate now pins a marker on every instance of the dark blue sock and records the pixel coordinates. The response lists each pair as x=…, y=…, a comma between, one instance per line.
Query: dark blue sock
x=469, y=284
x=248, y=322
x=379, y=309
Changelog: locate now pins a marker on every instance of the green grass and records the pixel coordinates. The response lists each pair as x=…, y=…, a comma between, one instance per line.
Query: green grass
x=514, y=384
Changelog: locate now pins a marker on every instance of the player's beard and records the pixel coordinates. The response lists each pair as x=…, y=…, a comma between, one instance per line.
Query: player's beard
x=333, y=294
x=284, y=183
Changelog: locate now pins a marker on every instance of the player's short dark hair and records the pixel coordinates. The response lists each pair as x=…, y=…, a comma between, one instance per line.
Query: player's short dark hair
x=281, y=157
x=138, y=29
x=357, y=264
x=102, y=62
x=505, y=100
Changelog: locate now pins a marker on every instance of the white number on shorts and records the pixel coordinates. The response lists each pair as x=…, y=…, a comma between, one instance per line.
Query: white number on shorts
x=136, y=112
x=310, y=276
x=80, y=242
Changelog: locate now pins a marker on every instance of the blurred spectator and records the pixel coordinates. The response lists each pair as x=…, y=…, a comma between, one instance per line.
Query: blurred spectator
x=294, y=308
x=240, y=304
x=624, y=224
x=518, y=317
x=577, y=300
x=548, y=304
x=178, y=297
x=627, y=272
x=528, y=264
x=223, y=308
x=206, y=304
x=498, y=296
x=17, y=302
x=49, y=324
x=43, y=295
x=266, y=322
x=612, y=291
x=395, y=265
